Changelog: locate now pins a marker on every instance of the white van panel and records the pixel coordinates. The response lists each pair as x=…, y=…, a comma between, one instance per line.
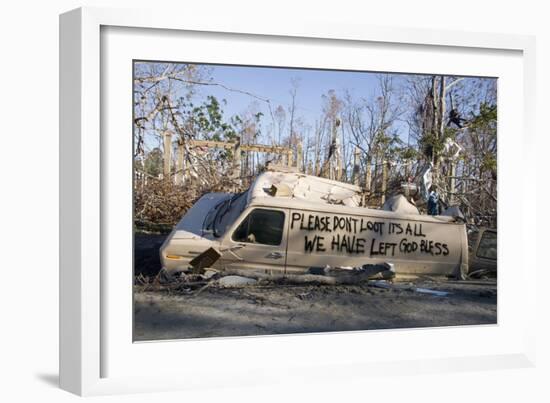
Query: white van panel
x=413, y=246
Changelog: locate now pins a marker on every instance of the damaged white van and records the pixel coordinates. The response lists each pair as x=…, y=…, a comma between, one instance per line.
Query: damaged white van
x=288, y=222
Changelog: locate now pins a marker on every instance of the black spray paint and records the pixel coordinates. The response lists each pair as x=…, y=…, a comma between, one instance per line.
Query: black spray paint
x=363, y=235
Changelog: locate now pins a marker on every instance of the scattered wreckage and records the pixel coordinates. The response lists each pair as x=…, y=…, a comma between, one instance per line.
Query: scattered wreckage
x=290, y=223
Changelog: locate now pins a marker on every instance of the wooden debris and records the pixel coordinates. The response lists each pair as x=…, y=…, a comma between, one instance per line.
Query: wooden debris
x=405, y=287
x=205, y=259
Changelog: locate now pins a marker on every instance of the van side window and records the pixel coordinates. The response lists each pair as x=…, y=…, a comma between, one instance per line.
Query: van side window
x=488, y=245
x=261, y=227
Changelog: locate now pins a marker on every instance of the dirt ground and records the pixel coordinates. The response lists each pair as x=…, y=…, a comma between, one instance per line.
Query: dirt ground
x=260, y=309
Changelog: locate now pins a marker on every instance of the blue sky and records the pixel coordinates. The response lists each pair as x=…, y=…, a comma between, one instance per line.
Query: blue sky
x=275, y=84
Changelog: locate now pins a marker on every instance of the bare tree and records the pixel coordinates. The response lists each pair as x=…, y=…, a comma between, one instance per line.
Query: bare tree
x=429, y=110
x=332, y=107
x=370, y=122
x=294, y=85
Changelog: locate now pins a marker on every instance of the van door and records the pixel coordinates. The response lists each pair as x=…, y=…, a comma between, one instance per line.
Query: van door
x=258, y=241
x=484, y=252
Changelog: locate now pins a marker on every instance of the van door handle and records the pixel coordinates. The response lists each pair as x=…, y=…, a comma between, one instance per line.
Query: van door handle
x=274, y=255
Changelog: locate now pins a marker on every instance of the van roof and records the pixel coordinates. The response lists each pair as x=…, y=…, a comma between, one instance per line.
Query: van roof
x=306, y=192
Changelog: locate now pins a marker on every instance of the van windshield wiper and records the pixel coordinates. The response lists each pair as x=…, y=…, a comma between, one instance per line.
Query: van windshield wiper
x=209, y=223
x=225, y=207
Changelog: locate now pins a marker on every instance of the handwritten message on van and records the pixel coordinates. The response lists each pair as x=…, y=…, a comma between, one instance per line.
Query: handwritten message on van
x=353, y=235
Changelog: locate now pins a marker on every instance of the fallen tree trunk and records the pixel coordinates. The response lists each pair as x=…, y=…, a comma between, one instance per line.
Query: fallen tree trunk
x=280, y=278
x=338, y=277
x=316, y=276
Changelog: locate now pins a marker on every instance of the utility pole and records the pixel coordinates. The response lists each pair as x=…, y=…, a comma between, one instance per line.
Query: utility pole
x=167, y=154
x=356, y=168
x=179, y=164
x=384, y=180
x=339, y=166
x=299, y=157
x=368, y=174
x=452, y=182
x=237, y=158
x=408, y=183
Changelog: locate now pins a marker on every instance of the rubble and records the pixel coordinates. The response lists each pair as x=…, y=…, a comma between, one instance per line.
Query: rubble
x=236, y=281
x=405, y=287
x=209, y=273
x=348, y=274
x=195, y=277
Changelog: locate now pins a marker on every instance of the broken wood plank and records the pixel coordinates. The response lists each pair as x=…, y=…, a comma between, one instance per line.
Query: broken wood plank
x=205, y=259
x=404, y=287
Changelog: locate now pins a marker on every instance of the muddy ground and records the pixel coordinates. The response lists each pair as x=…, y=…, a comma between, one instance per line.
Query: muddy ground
x=161, y=313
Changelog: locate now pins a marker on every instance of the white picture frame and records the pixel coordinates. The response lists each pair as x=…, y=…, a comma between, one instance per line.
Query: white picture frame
x=87, y=316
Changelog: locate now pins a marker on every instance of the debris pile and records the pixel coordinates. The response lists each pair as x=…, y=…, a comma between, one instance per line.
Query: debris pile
x=203, y=273
x=196, y=279
x=159, y=204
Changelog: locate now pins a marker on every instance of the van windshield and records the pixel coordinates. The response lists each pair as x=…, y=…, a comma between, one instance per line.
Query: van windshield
x=225, y=213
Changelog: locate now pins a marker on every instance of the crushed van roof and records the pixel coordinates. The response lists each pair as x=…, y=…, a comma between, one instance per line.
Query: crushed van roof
x=315, y=193
x=311, y=189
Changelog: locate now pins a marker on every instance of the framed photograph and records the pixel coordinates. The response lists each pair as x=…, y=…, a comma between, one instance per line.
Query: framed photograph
x=241, y=202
